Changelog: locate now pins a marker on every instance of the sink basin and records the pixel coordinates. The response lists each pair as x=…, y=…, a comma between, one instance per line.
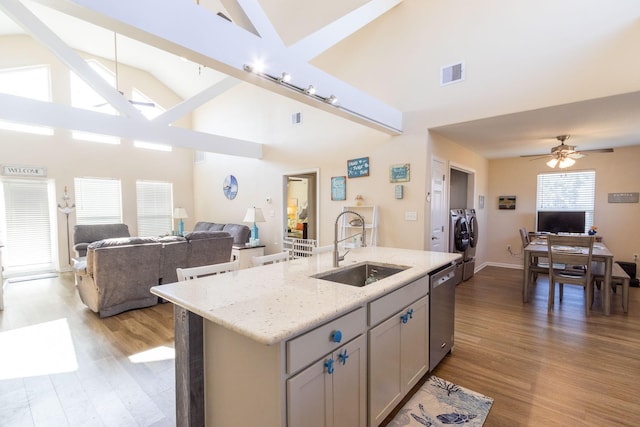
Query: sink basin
x=361, y=274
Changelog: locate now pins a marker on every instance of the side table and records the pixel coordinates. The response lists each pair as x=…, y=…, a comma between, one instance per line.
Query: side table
x=244, y=254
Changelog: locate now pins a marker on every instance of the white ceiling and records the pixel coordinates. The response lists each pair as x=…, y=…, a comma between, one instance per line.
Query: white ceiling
x=610, y=120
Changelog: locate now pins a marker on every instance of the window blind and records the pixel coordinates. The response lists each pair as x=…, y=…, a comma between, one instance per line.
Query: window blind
x=568, y=191
x=154, y=201
x=98, y=201
x=28, y=217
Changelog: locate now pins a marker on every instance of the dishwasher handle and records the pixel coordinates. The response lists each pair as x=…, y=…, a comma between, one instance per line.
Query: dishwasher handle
x=443, y=277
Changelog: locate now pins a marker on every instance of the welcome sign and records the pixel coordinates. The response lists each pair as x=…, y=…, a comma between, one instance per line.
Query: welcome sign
x=23, y=171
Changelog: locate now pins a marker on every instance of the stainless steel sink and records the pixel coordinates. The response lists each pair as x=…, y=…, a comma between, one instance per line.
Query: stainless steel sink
x=361, y=274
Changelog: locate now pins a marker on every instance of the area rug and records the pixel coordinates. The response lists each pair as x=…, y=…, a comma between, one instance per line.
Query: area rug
x=441, y=403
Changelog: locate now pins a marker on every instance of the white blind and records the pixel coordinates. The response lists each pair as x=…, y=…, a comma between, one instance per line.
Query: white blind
x=568, y=191
x=28, y=217
x=98, y=201
x=154, y=200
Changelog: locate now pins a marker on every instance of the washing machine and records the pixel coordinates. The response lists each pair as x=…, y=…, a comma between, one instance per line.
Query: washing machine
x=459, y=239
x=470, y=256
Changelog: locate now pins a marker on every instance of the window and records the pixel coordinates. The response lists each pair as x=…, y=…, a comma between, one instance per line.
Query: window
x=568, y=191
x=83, y=96
x=154, y=201
x=98, y=201
x=29, y=211
x=27, y=82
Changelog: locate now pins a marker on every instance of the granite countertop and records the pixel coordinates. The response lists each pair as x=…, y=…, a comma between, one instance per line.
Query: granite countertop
x=274, y=302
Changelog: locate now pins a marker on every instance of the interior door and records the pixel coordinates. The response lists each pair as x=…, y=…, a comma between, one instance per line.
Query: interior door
x=438, y=211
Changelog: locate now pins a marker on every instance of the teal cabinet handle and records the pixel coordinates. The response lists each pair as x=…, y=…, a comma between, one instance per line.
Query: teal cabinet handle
x=329, y=365
x=336, y=336
x=343, y=356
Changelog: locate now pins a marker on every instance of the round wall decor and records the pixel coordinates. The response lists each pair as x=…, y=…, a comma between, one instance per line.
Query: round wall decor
x=230, y=187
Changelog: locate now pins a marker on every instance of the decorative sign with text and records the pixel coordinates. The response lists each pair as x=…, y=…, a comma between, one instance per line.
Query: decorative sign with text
x=23, y=171
x=358, y=167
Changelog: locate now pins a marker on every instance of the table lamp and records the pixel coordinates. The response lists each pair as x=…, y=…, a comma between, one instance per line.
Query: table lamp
x=180, y=214
x=254, y=215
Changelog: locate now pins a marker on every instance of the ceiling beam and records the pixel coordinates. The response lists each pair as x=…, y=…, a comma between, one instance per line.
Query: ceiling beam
x=40, y=32
x=28, y=111
x=199, y=35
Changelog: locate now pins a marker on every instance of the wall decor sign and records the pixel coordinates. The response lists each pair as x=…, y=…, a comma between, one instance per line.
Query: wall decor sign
x=23, y=171
x=358, y=167
x=507, y=202
x=338, y=188
x=623, y=197
x=399, y=173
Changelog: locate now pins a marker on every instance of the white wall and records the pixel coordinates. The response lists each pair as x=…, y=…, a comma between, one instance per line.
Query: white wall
x=323, y=142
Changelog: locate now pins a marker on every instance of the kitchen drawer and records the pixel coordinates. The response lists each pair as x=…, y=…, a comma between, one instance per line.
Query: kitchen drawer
x=309, y=347
x=395, y=301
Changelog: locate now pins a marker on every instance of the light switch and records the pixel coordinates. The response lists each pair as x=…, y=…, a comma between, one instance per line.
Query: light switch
x=411, y=216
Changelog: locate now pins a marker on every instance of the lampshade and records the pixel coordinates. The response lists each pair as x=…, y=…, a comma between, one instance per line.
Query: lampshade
x=254, y=215
x=565, y=163
x=180, y=213
x=552, y=163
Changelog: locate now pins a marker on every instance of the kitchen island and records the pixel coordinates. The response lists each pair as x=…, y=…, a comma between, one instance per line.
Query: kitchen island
x=258, y=328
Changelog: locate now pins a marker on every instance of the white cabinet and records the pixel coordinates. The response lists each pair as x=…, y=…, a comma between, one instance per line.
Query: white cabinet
x=332, y=391
x=349, y=228
x=398, y=348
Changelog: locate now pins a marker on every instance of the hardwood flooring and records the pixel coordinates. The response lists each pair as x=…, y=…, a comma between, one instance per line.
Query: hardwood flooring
x=64, y=366
x=559, y=369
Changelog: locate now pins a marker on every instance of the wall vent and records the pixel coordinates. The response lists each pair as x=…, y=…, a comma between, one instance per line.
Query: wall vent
x=296, y=119
x=198, y=156
x=452, y=74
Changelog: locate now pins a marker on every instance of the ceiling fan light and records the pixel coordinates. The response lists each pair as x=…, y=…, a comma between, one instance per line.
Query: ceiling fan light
x=552, y=163
x=565, y=163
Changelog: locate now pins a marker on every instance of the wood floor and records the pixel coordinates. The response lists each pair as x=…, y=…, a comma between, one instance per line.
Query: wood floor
x=561, y=369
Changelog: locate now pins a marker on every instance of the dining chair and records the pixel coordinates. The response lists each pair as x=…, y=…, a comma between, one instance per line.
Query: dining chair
x=271, y=259
x=575, y=253
x=206, y=270
x=537, y=266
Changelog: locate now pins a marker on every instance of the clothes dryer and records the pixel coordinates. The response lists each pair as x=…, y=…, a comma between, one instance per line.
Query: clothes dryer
x=458, y=232
x=470, y=255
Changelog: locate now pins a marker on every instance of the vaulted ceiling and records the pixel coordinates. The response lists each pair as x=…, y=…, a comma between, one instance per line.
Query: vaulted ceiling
x=533, y=70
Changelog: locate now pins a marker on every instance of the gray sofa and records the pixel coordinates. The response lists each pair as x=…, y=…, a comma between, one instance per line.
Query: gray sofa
x=83, y=235
x=117, y=274
x=239, y=232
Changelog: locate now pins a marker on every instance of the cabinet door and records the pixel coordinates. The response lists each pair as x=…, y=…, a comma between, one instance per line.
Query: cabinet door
x=350, y=385
x=317, y=397
x=309, y=397
x=415, y=343
x=398, y=357
x=385, y=376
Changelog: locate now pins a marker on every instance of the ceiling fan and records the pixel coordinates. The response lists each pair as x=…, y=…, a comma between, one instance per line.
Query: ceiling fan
x=131, y=101
x=564, y=155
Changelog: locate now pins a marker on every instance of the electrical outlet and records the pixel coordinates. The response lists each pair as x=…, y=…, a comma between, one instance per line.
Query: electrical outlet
x=635, y=257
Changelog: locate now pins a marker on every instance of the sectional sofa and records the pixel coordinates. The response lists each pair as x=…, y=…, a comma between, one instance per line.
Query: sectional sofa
x=117, y=273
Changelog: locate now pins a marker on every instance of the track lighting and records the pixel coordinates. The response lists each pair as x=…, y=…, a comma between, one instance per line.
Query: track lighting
x=285, y=80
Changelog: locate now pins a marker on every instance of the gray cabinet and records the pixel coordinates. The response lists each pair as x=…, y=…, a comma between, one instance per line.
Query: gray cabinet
x=331, y=392
x=398, y=347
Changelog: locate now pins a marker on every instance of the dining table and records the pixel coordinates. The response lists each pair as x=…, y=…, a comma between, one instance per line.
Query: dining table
x=537, y=248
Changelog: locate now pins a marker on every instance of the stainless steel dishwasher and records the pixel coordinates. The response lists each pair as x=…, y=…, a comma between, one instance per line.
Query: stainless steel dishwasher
x=442, y=299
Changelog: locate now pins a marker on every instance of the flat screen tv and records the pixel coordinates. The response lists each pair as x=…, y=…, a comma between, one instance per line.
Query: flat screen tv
x=561, y=222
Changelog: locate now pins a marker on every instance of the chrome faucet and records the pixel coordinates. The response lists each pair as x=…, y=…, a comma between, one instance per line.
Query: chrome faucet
x=336, y=255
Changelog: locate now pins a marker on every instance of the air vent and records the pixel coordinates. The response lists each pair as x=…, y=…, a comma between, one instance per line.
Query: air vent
x=198, y=156
x=452, y=74
x=296, y=119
